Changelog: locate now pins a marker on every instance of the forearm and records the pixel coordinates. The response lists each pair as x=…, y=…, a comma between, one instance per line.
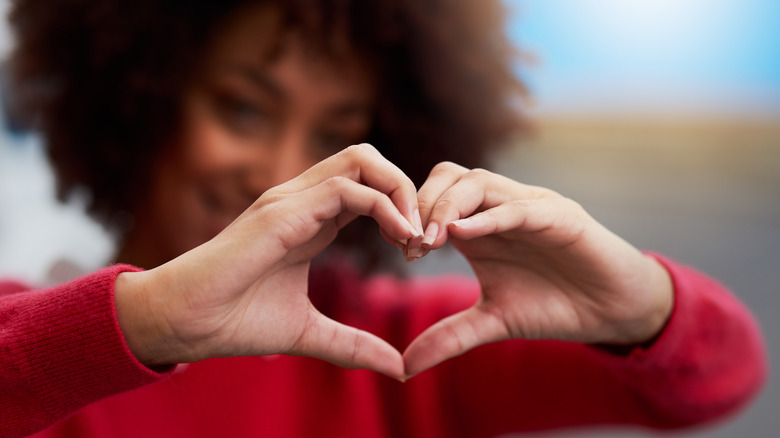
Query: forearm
x=62, y=349
x=708, y=362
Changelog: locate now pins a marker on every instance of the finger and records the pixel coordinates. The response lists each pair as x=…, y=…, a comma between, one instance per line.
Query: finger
x=452, y=337
x=393, y=242
x=524, y=217
x=412, y=249
x=496, y=220
x=457, y=201
x=365, y=165
x=479, y=190
x=349, y=198
x=443, y=176
x=304, y=213
x=288, y=223
x=348, y=347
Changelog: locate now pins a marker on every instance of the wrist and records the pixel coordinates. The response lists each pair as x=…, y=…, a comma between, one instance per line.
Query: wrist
x=643, y=329
x=142, y=327
x=663, y=303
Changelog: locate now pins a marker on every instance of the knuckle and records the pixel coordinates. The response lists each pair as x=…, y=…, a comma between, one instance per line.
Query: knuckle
x=269, y=197
x=272, y=192
x=517, y=205
x=444, y=204
x=336, y=182
x=479, y=173
x=425, y=203
x=572, y=206
x=447, y=167
x=356, y=154
x=359, y=150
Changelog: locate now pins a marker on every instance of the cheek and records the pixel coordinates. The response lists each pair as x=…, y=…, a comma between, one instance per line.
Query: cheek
x=179, y=217
x=207, y=149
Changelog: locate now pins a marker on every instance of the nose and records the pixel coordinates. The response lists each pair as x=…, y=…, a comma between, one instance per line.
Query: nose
x=278, y=163
x=291, y=159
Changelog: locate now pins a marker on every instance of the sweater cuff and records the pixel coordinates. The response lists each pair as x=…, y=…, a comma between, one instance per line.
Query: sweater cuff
x=697, y=300
x=69, y=349
x=710, y=356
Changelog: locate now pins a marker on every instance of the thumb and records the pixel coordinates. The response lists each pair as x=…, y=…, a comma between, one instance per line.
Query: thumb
x=453, y=336
x=347, y=347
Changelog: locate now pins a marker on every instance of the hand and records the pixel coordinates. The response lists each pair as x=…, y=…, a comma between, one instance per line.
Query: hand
x=245, y=291
x=546, y=268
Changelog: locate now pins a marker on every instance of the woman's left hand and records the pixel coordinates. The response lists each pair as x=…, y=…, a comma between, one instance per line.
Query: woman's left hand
x=547, y=269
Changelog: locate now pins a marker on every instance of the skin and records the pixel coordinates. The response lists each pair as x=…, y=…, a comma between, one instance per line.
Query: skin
x=547, y=269
x=249, y=123
x=261, y=133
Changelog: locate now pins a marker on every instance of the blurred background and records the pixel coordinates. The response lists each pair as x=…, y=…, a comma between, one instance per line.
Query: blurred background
x=661, y=117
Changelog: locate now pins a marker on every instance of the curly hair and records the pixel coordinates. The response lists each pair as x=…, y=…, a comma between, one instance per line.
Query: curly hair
x=102, y=80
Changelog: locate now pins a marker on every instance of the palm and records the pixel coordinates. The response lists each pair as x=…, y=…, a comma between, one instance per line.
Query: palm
x=272, y=314
x=547, y=270
x=245, y=292
x=533, y=292
x=271, y=317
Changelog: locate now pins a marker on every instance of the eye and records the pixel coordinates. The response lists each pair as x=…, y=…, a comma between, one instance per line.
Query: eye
x=241, y=114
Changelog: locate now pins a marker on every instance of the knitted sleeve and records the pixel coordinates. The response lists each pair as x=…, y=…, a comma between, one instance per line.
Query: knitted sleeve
x=61, y=349
x=707, y=364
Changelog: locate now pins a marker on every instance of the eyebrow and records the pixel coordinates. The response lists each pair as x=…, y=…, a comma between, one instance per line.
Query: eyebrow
x=262, y=81
x=257, y=78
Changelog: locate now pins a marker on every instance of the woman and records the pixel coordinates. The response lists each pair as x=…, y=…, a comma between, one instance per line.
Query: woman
x=220, y=129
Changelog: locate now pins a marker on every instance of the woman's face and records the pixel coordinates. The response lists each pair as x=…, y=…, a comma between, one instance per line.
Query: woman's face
x=249, y=122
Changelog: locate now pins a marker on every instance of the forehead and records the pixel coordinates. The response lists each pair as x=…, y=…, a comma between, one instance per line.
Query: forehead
x=262, y=36
x=251, y=32
x=253, y=44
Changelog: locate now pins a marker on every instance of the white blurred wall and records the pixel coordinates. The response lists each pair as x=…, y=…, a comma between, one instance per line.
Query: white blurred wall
x=36, y=232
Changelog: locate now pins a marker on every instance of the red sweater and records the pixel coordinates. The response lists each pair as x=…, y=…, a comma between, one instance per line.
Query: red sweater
x=63, y=360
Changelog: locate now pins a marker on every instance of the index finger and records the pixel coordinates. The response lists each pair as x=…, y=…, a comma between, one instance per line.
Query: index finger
x=364, y=164
x=443, y=176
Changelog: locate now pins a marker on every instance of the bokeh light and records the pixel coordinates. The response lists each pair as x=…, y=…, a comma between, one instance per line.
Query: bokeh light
x=719, y=57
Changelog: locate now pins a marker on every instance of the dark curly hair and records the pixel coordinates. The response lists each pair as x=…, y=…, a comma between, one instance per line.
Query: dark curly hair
x=102, y=80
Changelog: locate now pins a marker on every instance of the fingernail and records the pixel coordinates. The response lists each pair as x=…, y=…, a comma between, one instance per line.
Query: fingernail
x=460, y=222
x=414, y=248
x=414, y=245
x=409, y=226
x=414, y=253
x=413, y=229
x=430, y=234
x=418, y=223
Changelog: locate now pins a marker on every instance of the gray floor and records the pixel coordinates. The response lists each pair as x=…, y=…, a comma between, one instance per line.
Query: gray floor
x=708, y=196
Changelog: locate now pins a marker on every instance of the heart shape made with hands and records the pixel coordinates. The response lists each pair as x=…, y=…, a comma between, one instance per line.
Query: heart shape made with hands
x=436, y=343
x=573, y=283
x=423, y=352
x=545, y=268
x=459, y=332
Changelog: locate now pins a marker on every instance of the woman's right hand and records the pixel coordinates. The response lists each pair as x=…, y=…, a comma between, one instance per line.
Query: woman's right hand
x=245, y=292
